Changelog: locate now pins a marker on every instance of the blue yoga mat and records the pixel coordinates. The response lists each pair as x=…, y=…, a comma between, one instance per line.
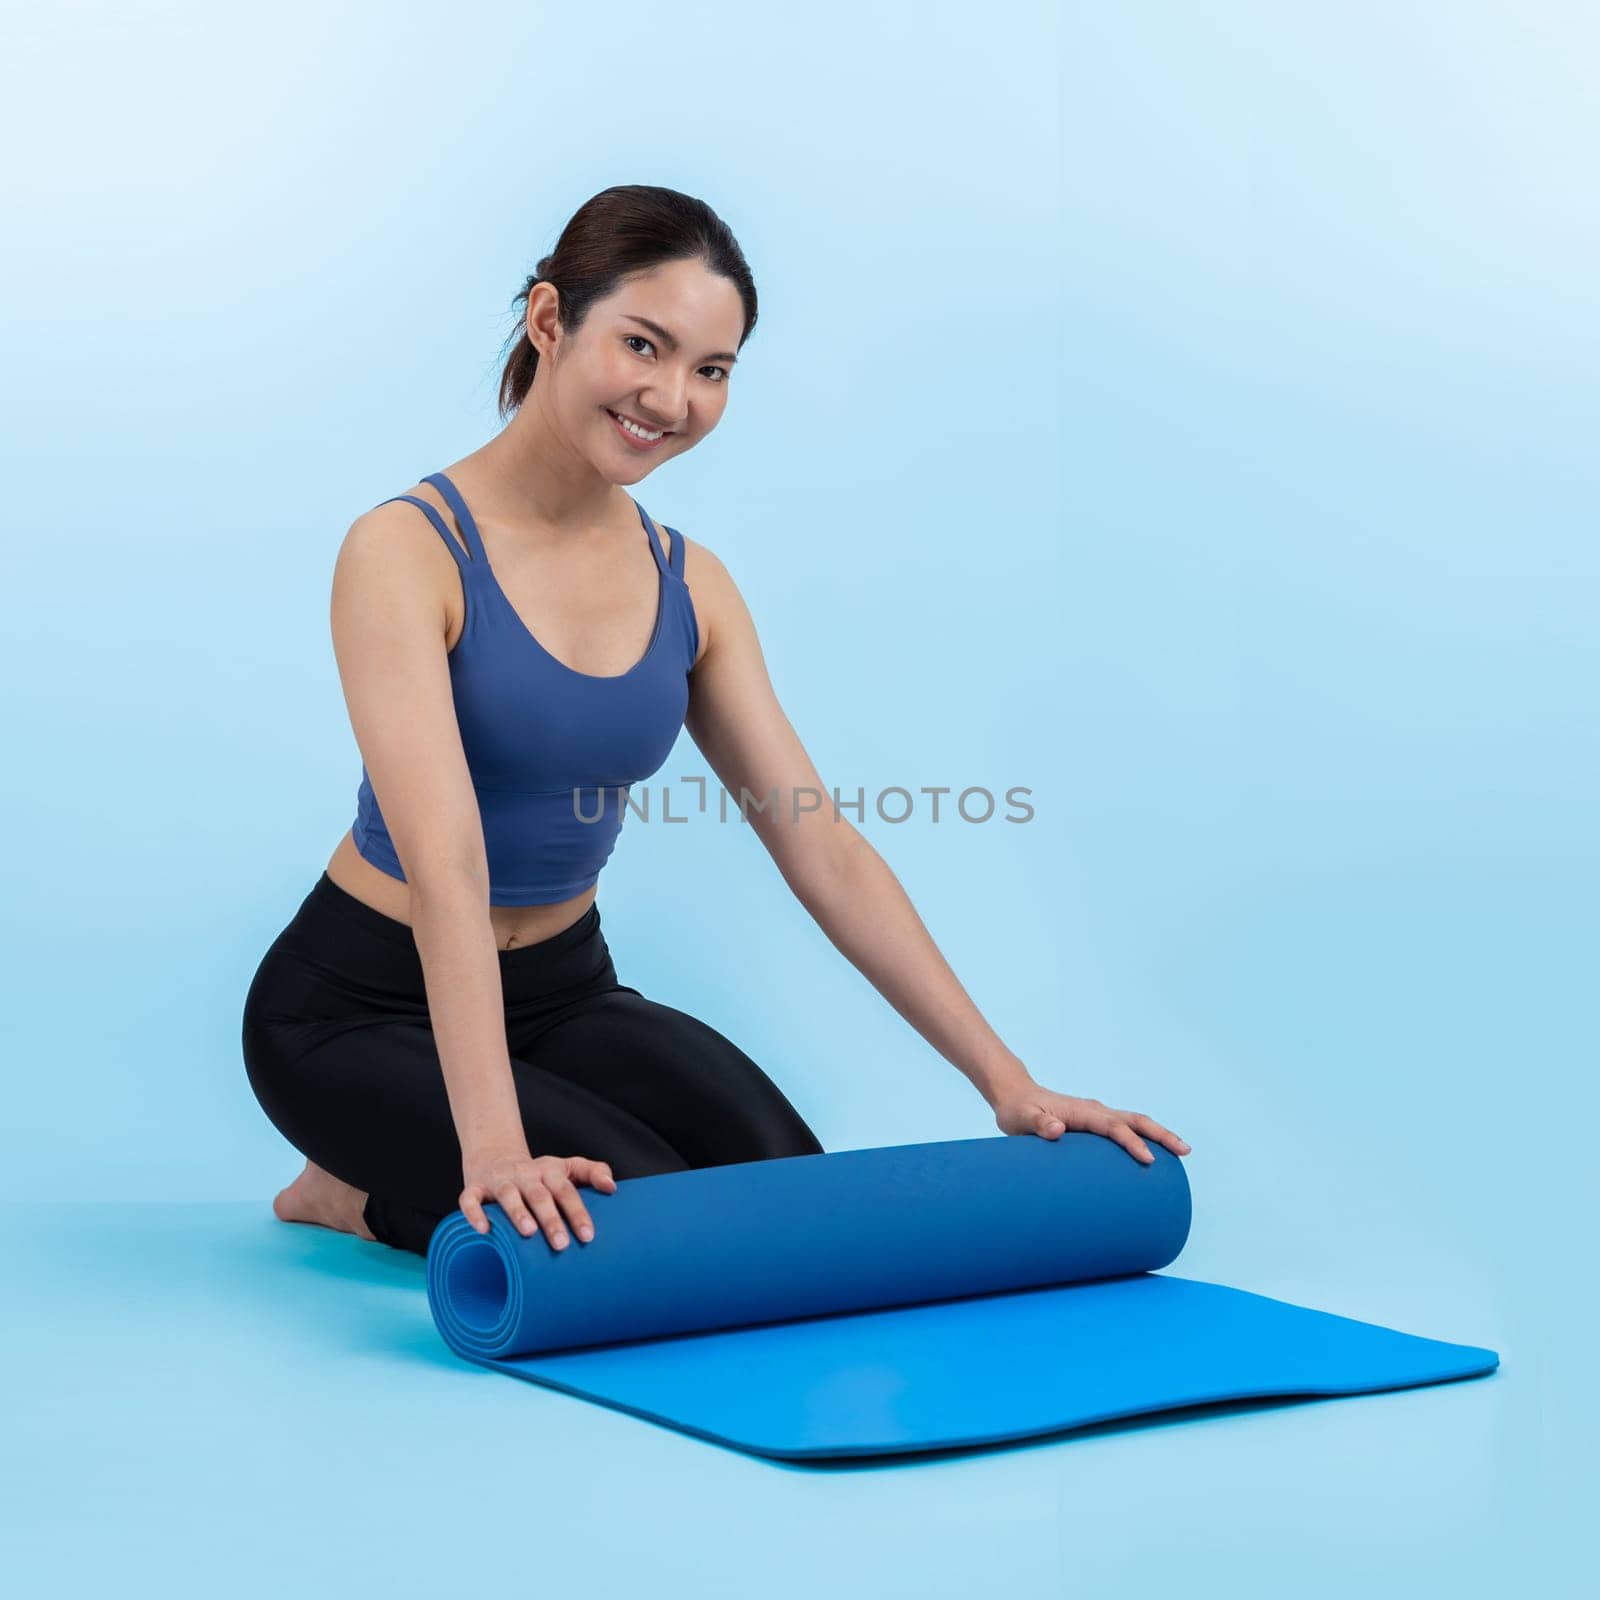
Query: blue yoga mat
x=902, y=1298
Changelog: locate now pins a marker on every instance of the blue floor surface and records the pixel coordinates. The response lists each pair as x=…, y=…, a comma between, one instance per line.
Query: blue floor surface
x=202, y=1400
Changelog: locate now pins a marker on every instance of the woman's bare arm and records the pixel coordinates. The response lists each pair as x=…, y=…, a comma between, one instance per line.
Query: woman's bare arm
x=835, y=873
x=829, y=865
x=389, y=628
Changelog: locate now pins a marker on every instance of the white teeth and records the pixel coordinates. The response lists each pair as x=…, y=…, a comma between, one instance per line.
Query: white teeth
x=636, y=430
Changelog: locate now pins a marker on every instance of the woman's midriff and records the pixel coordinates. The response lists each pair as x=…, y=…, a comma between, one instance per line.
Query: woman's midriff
x=514, y=926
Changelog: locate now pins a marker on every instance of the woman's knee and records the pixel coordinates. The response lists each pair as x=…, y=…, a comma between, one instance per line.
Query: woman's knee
x=732, y=1109
x=564, y=1113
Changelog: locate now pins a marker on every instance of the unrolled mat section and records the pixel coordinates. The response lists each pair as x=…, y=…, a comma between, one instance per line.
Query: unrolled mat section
x=903, y=1298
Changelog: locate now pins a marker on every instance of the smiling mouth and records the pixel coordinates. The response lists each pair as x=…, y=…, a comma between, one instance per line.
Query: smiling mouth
x=660, y=433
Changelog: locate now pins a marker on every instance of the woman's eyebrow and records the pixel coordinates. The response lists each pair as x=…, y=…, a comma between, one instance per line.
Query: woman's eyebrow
x=670, y=339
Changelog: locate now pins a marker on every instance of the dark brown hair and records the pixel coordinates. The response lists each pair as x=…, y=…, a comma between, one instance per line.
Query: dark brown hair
x=629, y=228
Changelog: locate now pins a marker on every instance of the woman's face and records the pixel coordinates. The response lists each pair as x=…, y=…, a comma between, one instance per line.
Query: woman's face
x=658, y=351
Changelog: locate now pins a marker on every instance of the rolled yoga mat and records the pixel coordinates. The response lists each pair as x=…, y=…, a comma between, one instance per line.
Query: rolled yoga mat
x=902, y=1298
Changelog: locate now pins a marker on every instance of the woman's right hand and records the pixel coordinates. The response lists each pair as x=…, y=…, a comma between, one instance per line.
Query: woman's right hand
x=525, y=1184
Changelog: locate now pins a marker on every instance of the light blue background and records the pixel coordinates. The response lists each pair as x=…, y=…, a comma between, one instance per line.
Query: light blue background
x=1188, y=413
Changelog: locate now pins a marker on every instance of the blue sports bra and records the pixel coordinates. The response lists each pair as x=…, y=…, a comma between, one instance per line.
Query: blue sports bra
x=549, y=747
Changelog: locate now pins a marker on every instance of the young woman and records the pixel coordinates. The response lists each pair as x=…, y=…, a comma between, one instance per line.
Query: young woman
x=517, y=638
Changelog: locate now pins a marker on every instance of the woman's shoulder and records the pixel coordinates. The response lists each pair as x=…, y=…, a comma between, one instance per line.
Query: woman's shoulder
x=399, y=521
x=701, y=565
x=393, y=558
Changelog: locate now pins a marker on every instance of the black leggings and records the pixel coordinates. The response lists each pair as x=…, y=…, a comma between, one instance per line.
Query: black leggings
x=341, y=1056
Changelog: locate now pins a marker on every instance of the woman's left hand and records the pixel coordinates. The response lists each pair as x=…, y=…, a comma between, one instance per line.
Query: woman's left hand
x=1035, y=1109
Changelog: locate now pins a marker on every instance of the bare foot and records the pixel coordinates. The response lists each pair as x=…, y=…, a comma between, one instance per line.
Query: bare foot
x=319, y=1197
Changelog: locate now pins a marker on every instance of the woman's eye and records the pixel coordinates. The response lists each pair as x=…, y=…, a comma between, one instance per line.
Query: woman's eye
x=628, y=339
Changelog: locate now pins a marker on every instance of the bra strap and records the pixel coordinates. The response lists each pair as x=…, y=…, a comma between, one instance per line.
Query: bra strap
x=655, y=543
x=469, y=528
x=453, y=543
x=675, y=559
